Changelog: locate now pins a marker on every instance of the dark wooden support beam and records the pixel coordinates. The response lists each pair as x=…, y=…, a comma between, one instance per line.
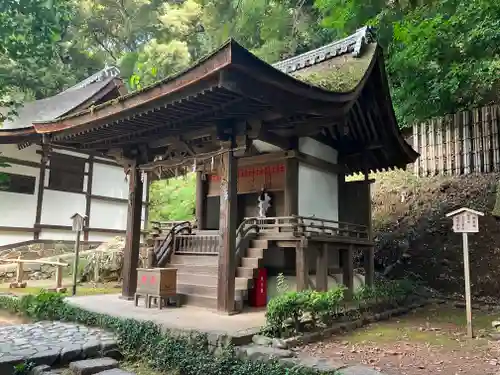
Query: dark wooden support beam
x=88, y=196
x=227, y=231
x=133, y=237
x=322, y=268
x=369, y=264
x=201, y=199
x=41, y=186
x=320, y=163
x=347, y=260
x=274, y=139
x=301, y=267
x=291, y=187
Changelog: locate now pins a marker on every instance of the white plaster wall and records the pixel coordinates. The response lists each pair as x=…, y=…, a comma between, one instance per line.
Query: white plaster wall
x=58, y=206
x=317, y=149
x=110, y=215
x=19, y=210
x=318, y=190
x=109, y=181
x=7, y=238
x=58, y=235
x=28, y=153
x=318, y=193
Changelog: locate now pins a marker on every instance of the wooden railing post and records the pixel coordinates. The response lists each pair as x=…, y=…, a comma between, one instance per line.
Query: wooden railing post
x=59, y=275
x=19, y=275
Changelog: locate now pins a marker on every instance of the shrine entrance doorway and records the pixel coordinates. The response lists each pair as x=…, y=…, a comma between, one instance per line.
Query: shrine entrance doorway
x=248, y=206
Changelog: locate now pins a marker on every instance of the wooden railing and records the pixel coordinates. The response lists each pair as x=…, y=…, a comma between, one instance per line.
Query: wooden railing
x=308, y=226
x=166, y=247
x=20, y=283
x=181, y=238
x=205, y=244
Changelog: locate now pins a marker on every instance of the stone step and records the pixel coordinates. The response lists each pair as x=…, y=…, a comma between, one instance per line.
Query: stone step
x=203, y=290
x=209, y=302
x=255, y=252
x=259, y=243
x=194, y=259
x=250, y=262
x=247, y=272
x=209, y=280
x=198, y=269
x=92, y=366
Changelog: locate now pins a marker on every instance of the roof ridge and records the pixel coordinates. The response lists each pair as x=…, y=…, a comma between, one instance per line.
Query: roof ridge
x=107, y=72
x=352, y=43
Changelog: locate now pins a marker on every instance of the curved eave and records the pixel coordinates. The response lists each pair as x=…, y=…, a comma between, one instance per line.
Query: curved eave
x=231, y=67
x=9, y=136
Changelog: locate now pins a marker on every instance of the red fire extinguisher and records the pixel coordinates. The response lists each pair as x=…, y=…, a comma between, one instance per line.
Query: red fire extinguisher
x=258, y=298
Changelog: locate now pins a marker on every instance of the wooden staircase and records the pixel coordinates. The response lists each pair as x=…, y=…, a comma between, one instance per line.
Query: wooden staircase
x=198, y=272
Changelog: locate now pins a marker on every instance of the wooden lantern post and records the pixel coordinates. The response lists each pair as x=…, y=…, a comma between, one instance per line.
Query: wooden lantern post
x=77, y=225
x=466, y=221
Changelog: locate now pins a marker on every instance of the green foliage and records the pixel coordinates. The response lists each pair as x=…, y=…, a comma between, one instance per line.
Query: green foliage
x=164, y=351
x=24, y=368
x=281, y=285
x=287, y=314
x=173, y=199
x=30, y=33
x=441, y=55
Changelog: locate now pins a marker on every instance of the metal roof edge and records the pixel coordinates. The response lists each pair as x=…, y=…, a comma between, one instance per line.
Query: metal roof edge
x=351, y=44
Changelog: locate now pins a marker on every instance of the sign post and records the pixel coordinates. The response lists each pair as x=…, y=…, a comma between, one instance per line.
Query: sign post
x=78, y=222
x=466, y=221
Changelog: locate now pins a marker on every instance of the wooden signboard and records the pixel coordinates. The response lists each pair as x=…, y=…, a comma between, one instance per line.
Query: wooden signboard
x=252, y=179
x=466, y=221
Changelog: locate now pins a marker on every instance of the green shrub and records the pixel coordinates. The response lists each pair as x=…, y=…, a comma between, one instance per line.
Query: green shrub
x=163, y=351
x=286, y=313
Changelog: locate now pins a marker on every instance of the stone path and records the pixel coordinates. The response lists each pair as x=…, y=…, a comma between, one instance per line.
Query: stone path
x=52, y=342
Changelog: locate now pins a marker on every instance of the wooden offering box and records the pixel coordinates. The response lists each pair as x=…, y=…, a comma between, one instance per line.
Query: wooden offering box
x=159, y=282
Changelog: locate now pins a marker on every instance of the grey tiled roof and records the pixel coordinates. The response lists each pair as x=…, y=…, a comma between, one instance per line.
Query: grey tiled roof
x=352, y=44
x=58, y=105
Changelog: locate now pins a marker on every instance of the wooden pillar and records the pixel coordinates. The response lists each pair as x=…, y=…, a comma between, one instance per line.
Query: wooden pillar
x=347, y=259
x=133, y=237
x=227, y=232
x=322, y=268
x=291, y=187
x=200, y=200
x=369, y=263
x=88, y=196
x=41, y=186
x=301, y=267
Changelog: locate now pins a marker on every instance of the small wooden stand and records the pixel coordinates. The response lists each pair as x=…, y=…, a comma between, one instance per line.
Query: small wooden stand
x=157, y=283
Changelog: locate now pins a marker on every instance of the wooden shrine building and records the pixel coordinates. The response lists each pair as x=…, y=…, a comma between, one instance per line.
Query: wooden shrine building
x=290, y=133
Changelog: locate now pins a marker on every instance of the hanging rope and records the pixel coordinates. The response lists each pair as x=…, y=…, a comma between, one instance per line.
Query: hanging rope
x=182, y=167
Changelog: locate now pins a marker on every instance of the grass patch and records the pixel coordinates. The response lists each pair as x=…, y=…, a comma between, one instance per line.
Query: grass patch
x=84, y=290
x=442, y=325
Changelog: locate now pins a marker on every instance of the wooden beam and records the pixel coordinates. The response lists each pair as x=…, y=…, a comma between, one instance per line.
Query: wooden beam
x=291, y=187
x=274, y=139
x=347, y=260
x=369, y=265
x=227, y=232
x=88, y=195
x=201, y=194
x=301, y=267
x=25, y=163
x=19, y=229
x=41, y=187
x=320, y=163
x=132, y=242
x=322, y=268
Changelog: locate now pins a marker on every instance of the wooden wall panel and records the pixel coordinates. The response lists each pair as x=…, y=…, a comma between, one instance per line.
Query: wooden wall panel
x=253, y=178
